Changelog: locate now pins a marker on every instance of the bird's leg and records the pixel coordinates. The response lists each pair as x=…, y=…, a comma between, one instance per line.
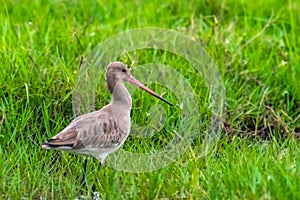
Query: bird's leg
x=101, y=165
x=83, y=181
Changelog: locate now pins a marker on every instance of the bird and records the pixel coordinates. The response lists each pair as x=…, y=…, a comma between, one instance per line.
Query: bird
x=102, y=132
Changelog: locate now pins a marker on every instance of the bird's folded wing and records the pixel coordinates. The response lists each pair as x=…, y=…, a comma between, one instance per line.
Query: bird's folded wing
x=80, y=134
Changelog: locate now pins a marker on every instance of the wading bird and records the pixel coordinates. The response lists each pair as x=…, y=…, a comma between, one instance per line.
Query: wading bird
x=102, y=132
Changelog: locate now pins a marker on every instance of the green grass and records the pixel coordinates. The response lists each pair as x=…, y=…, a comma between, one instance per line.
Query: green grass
x=255, y=46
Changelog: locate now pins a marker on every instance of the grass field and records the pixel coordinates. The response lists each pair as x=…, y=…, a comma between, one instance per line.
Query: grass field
x=255, y=46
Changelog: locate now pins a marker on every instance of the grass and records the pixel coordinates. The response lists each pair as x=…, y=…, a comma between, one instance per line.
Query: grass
x=254, y=44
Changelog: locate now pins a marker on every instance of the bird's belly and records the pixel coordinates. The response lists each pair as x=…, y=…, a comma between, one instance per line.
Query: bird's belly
x=99, y=153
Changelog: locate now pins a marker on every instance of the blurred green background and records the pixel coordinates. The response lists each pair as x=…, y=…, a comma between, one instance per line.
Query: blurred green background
x=255, y=47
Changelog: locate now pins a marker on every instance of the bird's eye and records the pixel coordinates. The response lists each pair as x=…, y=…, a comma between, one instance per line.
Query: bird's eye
x=123, y=70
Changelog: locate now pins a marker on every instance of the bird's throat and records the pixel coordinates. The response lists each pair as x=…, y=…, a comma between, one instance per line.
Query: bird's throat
x=121, y=96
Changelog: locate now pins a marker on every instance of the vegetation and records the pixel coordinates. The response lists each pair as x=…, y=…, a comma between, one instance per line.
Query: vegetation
x=255, y=46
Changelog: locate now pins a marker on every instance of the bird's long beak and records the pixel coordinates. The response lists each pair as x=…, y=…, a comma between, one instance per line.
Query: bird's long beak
x=135, y=82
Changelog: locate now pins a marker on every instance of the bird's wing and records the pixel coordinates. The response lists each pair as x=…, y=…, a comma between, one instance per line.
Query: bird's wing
x=95, y=130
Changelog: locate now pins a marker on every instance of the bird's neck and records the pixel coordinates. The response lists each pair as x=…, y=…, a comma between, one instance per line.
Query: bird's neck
x=121, y=96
